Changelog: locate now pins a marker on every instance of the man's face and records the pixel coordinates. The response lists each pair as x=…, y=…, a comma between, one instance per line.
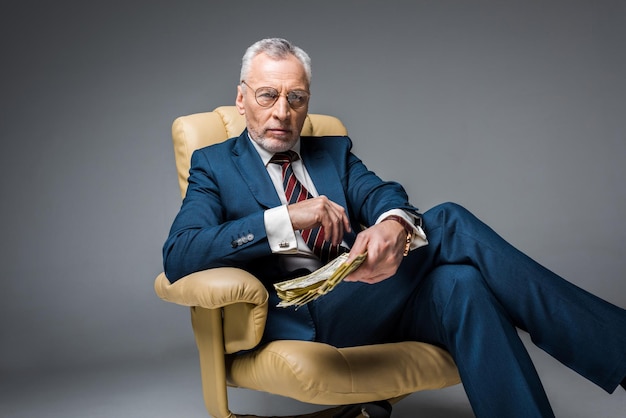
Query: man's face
x=275, y=128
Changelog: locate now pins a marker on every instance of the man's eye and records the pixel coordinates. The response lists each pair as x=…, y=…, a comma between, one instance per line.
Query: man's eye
x=267, y=95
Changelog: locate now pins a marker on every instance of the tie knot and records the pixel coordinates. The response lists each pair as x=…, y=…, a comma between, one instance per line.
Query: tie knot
x=285, y=157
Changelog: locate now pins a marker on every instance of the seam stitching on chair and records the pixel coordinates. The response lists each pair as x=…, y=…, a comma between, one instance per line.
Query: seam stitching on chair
x=349, y=368
x=224, y=122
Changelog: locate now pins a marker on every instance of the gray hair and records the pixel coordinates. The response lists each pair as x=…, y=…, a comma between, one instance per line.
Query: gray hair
x=276, y=48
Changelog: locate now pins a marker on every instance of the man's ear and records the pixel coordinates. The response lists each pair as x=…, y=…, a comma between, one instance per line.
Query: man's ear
x=239, y=101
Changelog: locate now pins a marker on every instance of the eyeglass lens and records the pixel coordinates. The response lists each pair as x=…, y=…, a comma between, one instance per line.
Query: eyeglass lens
x=267, y=96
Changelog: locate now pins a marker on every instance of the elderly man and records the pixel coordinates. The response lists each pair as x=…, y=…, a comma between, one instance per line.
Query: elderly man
x=279, y=205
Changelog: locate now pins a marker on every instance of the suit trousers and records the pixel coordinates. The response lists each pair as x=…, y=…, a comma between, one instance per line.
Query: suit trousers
x=469, y=291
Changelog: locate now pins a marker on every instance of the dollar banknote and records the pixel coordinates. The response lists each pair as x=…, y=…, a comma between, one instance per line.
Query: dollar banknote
x=302, y=290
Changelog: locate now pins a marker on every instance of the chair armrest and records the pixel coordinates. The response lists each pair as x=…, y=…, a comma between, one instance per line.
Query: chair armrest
x=213, y=288
x=240, y=295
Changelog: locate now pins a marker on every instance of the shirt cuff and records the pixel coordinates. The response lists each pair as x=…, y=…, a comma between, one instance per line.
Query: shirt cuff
x=280, y=233
x=419, y=236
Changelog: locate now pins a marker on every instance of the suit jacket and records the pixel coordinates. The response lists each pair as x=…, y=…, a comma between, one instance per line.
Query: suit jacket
x=220, y=222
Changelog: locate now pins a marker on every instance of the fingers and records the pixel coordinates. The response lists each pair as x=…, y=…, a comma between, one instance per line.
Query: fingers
x=384, y=254
x=335, y=223
x=320, y=211
x=372, y=271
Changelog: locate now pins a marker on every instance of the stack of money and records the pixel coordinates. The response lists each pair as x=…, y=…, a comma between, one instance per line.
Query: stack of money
x=302, y=290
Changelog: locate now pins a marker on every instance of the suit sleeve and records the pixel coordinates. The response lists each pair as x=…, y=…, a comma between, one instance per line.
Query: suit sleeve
x=369, y=196
x=202, y=236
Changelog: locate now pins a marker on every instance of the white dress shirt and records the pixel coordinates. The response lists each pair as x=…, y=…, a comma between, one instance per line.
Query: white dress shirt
x=280, y=234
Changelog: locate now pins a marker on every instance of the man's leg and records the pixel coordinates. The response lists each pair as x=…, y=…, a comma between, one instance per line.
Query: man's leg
x=453, y=308
x=579, y=329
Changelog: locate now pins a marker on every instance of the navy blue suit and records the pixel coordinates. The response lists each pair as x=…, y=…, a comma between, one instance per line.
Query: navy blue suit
x=466, y=291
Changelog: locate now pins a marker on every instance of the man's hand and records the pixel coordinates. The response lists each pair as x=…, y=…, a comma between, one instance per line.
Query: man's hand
x=317, y=211
x=384, y=244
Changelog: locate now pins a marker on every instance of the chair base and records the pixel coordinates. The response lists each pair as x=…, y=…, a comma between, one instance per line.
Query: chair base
x=326, y=413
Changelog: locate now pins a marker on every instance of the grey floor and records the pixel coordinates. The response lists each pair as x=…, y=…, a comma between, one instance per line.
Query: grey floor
x=171, y=388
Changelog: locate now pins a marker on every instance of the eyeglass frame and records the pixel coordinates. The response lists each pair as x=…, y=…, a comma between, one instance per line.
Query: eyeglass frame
x=256, y=97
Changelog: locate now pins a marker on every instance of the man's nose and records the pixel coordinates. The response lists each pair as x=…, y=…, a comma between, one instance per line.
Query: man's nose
x=282, y=108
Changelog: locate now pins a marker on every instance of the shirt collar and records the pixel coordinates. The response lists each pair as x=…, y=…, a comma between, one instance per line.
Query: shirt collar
x=266, y=155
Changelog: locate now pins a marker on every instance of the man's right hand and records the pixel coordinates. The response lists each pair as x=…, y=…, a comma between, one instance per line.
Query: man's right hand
x=317, y=211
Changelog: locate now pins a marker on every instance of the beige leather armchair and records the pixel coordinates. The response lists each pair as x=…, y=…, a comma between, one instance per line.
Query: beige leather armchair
x=229, y=309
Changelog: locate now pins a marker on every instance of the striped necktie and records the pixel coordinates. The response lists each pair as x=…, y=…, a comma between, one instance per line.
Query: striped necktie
x=296, y=192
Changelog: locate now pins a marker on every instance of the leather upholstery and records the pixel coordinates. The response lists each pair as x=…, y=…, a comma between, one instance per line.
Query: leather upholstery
x=240, y=295
x=321, y=374
x=229, y=309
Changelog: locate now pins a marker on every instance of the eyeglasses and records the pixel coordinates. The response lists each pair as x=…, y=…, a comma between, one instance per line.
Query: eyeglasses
x=267, y=96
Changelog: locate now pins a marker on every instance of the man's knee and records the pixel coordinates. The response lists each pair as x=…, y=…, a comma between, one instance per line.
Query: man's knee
x=458, y=235
x=444, y=213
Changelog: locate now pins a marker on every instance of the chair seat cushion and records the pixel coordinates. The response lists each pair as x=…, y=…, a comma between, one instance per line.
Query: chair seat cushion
x=322, y=374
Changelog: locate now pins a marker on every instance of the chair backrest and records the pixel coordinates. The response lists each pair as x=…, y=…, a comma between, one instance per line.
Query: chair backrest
x=198, y=130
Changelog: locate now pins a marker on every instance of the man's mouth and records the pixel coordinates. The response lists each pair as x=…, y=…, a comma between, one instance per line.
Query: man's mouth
x=279, y=131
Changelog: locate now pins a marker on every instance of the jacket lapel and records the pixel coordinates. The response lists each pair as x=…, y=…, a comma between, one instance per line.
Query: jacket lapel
x=323, y=172
x=250, y=166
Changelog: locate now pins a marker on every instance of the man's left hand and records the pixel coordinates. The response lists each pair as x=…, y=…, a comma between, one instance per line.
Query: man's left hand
x=384, y=243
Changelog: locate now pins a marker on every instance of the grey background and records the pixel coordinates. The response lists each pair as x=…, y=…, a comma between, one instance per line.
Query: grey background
x=515, y=109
